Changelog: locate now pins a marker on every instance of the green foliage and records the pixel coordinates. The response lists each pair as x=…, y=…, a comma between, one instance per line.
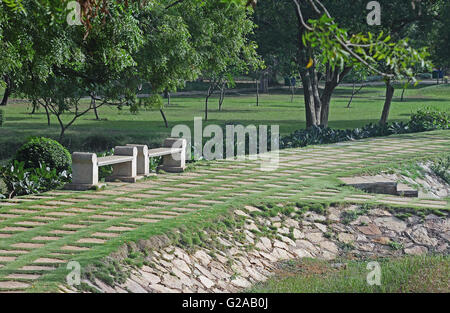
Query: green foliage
x=154, y=163
x=442, y=168
x=40, y=150
x=15, y=5
x=324, y=135
x=396, y=245
x=120, y=47
x=20, y=180
x=440, y=37
x=152, y=102
x=350, y=216
x=398, y=58
x=429, y=118
x=422, y=120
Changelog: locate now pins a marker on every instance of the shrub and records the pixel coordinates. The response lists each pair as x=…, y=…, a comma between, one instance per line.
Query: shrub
x=425, y=76
x=39, y=150
x=429, y=119
x=2, y=117
x=442, y=168
x=422, y=120
x=321, y=135
x=21, y=181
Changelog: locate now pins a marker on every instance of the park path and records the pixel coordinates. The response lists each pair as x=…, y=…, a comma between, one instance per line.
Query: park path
x=40, y=234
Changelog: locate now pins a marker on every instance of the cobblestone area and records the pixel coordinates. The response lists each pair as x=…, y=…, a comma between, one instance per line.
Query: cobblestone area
x=238, y=264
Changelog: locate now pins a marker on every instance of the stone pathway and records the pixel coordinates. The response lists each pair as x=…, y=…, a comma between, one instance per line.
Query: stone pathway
x=42, y=233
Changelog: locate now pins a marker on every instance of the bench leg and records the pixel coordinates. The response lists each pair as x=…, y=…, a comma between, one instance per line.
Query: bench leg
x=84, y=171
x=142, y=160
x=127, y=171
x=175, y=162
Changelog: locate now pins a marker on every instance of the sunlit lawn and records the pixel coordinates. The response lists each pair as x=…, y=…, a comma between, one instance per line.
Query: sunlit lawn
x=119, y=127
x=406, y=274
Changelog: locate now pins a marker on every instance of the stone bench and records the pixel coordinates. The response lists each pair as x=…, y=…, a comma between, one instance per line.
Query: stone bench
x=129, y=163
x=173, y=153
x=85, y=167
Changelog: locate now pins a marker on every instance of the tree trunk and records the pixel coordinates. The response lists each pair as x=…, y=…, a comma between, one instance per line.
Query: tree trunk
x=7, y=91
x=34, y=107
x=93, y=104
x=325, y=112
x=164, y=118
x=206, y=108
x=387, y=103
x=167, y=96
x=209, y=93
x=354, y=93
x=310, y=111
x=48, y=115
x=292, y=92
x=222, y=96
x=333, y=79
x=404, y=89
x=257, y=93
x=63, y=128
x=316, y=106
x=351, y=97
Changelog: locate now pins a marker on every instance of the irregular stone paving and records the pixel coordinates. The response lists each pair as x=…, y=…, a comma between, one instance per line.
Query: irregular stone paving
x=241, y=263
x=51, y=229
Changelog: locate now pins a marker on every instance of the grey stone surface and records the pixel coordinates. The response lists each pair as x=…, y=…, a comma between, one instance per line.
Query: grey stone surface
x=209, y=269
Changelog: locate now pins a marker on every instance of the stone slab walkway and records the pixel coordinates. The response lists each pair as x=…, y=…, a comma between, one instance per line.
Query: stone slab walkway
x=41, y=233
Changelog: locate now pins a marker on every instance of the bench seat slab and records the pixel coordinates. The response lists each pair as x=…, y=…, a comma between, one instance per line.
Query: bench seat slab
x=162, y=151
x=114, y=159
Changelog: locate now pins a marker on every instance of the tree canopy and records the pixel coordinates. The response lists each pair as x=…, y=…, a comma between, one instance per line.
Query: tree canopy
x=119, y=47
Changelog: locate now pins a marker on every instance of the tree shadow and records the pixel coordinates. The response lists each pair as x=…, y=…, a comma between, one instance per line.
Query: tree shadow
x=413, y=99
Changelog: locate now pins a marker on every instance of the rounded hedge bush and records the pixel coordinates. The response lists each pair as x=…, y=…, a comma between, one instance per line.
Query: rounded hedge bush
x=39, y=150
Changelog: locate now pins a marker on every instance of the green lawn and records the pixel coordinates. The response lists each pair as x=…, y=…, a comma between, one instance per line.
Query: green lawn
x=120, y=127
x=406, y=274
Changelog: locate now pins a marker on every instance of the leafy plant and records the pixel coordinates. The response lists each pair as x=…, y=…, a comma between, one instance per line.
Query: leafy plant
x=40, y=150
x=349, y=216
x=154, y=163
x=442, y=168
x=429, y=118
x=422, y=120
x=23, y=181
x=395, y=245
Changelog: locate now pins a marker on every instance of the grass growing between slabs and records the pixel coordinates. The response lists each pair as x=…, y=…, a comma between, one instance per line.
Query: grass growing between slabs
x=414, y=274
